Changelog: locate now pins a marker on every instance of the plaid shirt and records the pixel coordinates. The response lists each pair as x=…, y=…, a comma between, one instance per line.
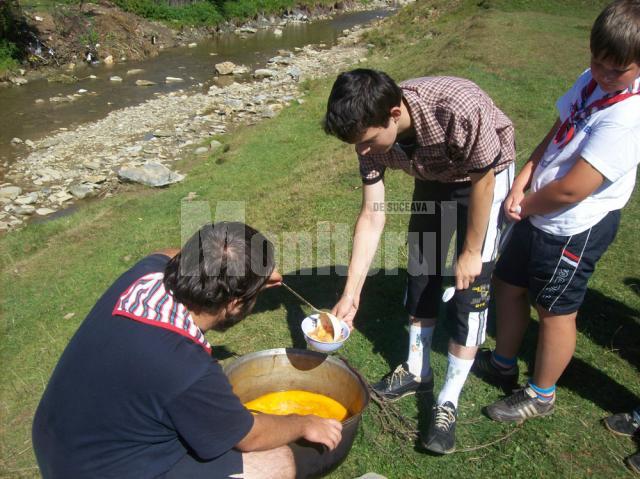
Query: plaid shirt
x=459, y=131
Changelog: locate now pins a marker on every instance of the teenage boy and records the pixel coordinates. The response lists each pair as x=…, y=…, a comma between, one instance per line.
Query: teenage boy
x=137, y=393
x=459, y=147
x=579, y=177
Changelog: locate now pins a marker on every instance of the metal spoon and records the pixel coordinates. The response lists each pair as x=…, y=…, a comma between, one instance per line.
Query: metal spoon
x=324, y=317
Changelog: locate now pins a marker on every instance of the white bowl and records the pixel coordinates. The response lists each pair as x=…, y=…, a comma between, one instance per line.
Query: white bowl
x=310, y=323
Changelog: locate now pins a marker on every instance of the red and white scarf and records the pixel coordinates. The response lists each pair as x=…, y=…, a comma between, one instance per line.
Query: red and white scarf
x=580, y=111
x=147, y=301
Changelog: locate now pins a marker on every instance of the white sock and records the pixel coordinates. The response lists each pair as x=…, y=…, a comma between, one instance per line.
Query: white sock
x=457, y=372
x=419, y=350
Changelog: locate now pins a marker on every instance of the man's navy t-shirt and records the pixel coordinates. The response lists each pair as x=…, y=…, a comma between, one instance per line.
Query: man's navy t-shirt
x=129, y=399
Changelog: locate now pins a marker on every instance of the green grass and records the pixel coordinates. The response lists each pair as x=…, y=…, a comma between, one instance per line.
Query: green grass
x=294, y=180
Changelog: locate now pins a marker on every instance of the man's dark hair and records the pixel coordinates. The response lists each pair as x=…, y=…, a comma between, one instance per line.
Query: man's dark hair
x=360, y=99
x=221, y=262
x=615, y=35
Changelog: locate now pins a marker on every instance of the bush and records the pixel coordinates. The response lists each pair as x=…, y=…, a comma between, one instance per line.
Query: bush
x=8, y=56
x=198, y=13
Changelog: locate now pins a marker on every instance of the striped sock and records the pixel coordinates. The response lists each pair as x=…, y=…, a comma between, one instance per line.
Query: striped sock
x=544, y=394
x=501, y=362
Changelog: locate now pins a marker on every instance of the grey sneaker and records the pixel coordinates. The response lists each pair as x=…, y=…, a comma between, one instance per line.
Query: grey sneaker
x=400, y=383
x=633, y=462
x=441, y=437
x=622, y=424
x=523, y=404
x=483, y=366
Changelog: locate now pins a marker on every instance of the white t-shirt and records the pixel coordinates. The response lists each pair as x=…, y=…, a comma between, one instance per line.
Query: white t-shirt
x=610, y=141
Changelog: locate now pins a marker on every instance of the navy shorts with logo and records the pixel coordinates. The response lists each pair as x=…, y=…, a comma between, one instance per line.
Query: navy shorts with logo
x=555, y=269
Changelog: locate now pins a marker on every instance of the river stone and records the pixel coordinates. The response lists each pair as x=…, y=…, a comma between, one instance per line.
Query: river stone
x=4, y=226
x=25, y=210
x=150, y=174
x=145, y=83
x=63, y=197
x=215, y=145
x=294, y=72
x=268, y=113
x=241, y=70
x=81, y=191
x=192, y=45
x=30, y=143
x=277, y=32
x=96, y=179
x=39, y=101
x=134, y=71
x=108, y=60
x=18, y=80
x=16, y=141
x=247, y=30
x=202, y=150
x=48, y=174
x=225, y=68
x=92, y=165
x=163, y=133
x=115, y=78
x=11, y=192
x=371, y=475
x=234, y=103
x=264, y=73
x=281, y=60
x=28, y=199
x=44, y=211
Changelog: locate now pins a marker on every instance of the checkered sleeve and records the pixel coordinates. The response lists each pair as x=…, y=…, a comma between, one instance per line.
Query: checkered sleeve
x=474, y=133
x=371, y=169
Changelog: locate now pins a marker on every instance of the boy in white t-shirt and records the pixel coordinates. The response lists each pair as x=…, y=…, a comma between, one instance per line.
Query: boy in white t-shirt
x=579, y=178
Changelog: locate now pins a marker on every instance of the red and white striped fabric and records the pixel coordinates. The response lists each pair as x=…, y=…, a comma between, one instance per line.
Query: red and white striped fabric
x=147, y=301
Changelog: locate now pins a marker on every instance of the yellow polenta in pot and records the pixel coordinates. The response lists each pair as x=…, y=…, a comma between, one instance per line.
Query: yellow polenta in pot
x=298, y=402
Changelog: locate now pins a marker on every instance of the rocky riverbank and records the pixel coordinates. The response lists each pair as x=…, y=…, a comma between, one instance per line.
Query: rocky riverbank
x=94, y=158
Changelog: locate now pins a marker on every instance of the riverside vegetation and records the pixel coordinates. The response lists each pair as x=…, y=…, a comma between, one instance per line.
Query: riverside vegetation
x=28, y=28
x=294, y=180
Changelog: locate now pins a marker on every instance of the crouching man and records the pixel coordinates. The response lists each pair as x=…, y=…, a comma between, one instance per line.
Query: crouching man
x=137, y=393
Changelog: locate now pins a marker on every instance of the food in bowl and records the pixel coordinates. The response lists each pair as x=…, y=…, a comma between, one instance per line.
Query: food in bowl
x=298, y=402
x=322, y=335
x=309, y=326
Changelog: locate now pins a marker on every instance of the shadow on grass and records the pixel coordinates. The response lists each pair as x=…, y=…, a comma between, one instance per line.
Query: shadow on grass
x=381, y=317
x=609, y=324
x=383, y=321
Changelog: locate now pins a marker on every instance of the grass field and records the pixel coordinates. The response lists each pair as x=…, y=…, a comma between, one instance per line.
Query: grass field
x=295, y=184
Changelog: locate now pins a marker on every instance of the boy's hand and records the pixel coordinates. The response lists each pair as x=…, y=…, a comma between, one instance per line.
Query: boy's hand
x=468, y=267
x=346, y=309
x=511, y=205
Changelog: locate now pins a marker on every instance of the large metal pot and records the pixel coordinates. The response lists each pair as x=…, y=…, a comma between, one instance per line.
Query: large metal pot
x=287, y=369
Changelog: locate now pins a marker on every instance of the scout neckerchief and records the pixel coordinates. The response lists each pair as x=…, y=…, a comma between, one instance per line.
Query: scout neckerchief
x=147, y=301
x=581, y=111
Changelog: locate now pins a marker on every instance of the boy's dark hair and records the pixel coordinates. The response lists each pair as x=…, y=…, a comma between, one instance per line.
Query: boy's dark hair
x=221, y=262
x=615, y=35
x=360, y=99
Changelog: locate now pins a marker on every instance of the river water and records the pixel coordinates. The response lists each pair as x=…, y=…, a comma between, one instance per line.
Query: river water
x=22, y=117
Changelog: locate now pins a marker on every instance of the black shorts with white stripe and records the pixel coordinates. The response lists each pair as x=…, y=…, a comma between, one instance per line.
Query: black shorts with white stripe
x=432, y=230
x=555, y=269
